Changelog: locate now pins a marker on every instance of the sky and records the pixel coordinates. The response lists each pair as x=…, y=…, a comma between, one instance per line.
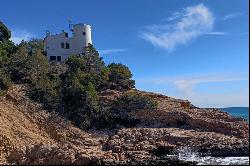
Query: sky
x=187, y=49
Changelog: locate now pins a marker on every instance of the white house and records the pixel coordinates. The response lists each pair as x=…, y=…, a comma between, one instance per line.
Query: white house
x=58, y=47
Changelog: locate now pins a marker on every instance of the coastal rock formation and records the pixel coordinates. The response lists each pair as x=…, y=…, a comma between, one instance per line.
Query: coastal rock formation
x=31, y=135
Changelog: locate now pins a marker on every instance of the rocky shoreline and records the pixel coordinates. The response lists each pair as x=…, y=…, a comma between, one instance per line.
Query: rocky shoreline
x=31, y=135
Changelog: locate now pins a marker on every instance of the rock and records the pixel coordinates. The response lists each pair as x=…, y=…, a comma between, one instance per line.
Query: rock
x=42, y=137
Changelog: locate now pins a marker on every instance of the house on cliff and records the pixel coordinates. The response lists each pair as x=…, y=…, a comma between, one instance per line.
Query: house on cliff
x=60, y=46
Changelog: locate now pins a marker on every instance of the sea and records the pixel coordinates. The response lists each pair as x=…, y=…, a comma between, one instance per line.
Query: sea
x=238, y=112
x=188, y=155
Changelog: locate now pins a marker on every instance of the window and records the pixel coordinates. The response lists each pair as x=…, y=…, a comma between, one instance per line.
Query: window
x=62, y=45
x=66, y=34
x=52, y=58
x=59, y=58
x=67, y=45
x=84, y=33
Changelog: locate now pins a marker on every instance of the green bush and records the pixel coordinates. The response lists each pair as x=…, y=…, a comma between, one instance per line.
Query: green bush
x=93, y=63
x=80, y=100
x=6, y=49
x=121, y=108
x=134, y=101
x=35, y=45
x=46, y=91
x=5, y=33
x=120, y=77
x=19, y=66
x=5, y=81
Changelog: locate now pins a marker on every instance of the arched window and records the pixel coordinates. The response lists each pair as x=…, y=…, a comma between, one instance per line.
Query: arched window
x=62, y=45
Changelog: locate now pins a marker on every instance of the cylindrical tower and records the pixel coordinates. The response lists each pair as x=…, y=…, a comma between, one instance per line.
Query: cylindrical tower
x=87, y=30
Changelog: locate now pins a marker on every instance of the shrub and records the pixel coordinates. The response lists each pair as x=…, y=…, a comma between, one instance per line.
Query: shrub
x=120, y=77
x=46, y=91
x=128, y=102
x=74, y=62
x=38, y=66
x=6, y=48
x=35, y=45
x=5, y=81
x=80, y=100
x=19, y=65
x=5, y=33
x=134, y=101
x=92, y=61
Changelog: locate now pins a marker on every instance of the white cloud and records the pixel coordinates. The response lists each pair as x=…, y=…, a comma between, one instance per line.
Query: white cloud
x=185, y=87
x=220, y=99
x=231, y=16
x=175, y=16
x=19, y=35
x=111, y=51
x=216, y=33
x=189, y=24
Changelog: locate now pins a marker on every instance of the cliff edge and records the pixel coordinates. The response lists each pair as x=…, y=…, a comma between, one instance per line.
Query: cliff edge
x=31, y=135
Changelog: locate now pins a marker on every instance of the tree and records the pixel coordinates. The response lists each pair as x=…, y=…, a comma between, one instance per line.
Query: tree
x=120, y=77
x=81, y=101
x=19, y=65
x=92, y=61
x=74, y=63
x=5, y=33
x=90, y=67
x=46, y=91
x=35, y=45
x=45, y=84
x=6, y=48
x=5, y=81
x=38, y=66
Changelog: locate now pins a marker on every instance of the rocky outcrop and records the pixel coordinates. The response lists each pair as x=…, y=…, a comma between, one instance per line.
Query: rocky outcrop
x=172, y=113
x=31, y=135
x=169, y=140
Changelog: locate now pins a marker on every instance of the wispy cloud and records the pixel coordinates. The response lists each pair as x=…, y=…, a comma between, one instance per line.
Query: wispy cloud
x=188, y=24
x=186, y=88
x=216, y=33
x=19, y=35
x=111, y=51
x=187, y=85
x=231, y=16
x=174, y=16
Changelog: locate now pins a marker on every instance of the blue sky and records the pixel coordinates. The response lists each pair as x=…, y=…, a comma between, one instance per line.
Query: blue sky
x=189, y=49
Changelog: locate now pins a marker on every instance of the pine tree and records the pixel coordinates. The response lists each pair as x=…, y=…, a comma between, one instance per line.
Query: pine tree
x=93, y=62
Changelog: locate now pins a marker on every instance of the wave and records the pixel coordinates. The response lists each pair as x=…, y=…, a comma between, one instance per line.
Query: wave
x=187, y=154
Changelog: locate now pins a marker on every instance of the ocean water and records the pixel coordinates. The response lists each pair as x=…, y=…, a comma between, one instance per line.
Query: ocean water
x=238, y=112
x=187, y=154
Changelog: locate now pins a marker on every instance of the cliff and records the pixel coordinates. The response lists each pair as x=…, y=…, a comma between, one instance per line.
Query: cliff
x=31, y=135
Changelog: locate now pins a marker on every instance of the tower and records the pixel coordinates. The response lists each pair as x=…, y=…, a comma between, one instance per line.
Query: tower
x=87, y=30
x=81, y=37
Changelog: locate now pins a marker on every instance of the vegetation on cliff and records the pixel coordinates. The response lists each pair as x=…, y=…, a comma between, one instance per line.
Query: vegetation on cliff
x=74, y=92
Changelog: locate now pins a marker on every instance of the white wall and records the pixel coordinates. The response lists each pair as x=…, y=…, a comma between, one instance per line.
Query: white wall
x=52, y=43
